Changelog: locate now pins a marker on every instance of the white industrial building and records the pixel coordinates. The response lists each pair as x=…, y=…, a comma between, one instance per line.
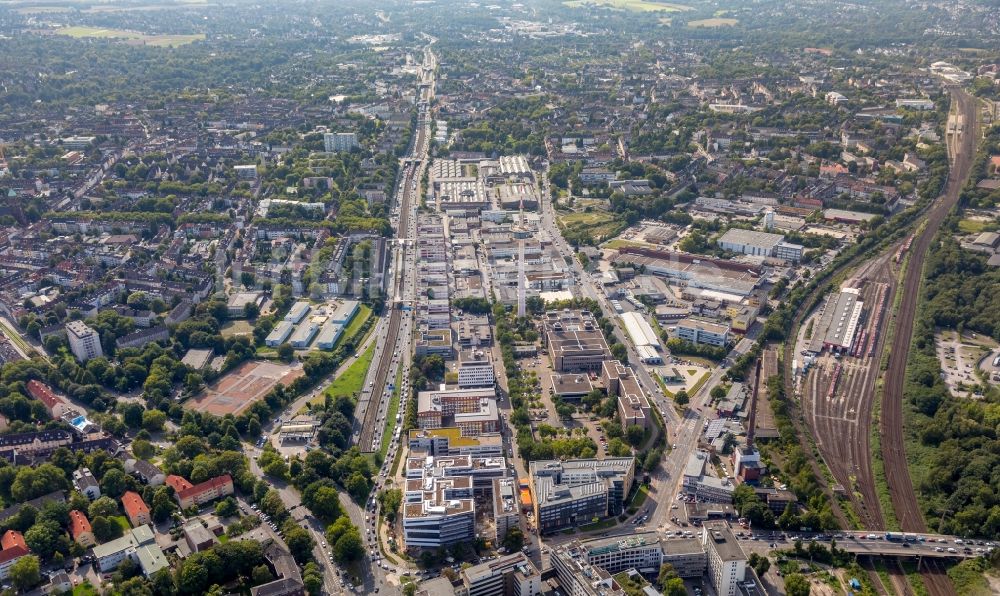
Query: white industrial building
x=759, y=244
x=279, y=334
x=640, y=331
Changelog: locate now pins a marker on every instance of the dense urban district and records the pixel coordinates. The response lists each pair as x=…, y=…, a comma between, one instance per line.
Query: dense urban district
x=538, y=298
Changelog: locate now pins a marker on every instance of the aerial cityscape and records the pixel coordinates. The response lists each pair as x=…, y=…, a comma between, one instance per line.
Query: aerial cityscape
x=514, y=298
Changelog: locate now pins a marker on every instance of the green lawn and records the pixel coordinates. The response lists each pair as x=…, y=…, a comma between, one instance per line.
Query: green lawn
x=84, y=589
x=364, y=313
x=972, y=226
x=640, y=496
x=604, y=524
x=633, y=5
x=390, y=417
x=132, y=36
x=713, y=22
x=123, y=522
x=353, y=379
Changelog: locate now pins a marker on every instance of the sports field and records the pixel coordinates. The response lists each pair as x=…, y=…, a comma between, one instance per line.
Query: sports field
x=131, y=37
x=633, y=5
x=238, y=389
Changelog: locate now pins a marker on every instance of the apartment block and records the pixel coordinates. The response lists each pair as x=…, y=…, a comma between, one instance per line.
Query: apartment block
x=84, y=342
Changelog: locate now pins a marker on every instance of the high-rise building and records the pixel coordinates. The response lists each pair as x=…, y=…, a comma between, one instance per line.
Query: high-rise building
x=84, y=342
x=340, y=141
x=726, y=560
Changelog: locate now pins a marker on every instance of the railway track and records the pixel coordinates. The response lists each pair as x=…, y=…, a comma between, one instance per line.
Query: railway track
x=367, y=437
x=897, y=472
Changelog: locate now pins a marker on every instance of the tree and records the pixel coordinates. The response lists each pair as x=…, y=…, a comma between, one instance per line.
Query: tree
x=153, y=420
x=35, y=482
x=718, y=392
x=349, y=546
x=102, y=507
x=143, y=449
x=132, y=414
x=681, y=397
x=105, y=528
x=796, y=585
x=114, y=483
x=514, y=540
x=620, y=352
x=312, y=578
x=390, y=501
x=357, y=485
x=670, y=583
x=261, y=575
x=43, y=538
x=300, y=542
x=286, y=352
x=25, y=573
x=635, y=434
x=226, y=507
x=759, y=564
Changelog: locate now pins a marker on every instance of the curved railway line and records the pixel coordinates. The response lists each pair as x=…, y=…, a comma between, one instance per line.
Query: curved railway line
x=851, y=458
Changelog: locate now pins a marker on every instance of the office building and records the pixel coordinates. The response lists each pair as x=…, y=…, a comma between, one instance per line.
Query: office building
x=574, y=492
x=438, y=511
x=339, y=141
x=475, y=369
x=482, y=470
x=473, y=411
x=633, y=405
x=506, y=514
x=510, y=575
x=686, y=555
x=726, y=560
x=449, y=441
x=700, y=331
x=574, y=341
x=577, y=576
x=641, y=551
x=84, y=342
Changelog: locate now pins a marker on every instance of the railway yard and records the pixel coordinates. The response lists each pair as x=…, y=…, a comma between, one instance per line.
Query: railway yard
x=838, y=362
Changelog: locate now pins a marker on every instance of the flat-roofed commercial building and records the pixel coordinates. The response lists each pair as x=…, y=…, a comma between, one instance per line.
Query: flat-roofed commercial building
x=482, y=470
x=574, y=341
x=749, y=242
x=475, y=369
x=641, y=551
x=510, y=575
x=473, y=411
x=700, y=331
x=838, y=322
x=506, y=513
x=633, y=405
x=726, y=559
x=572, y=492
x=449, y=441
x=438, y=511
